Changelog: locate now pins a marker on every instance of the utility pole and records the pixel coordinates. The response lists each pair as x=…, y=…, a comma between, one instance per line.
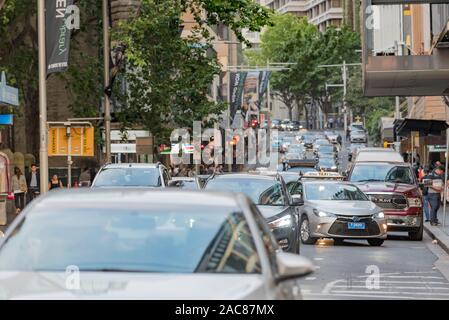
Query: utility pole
x=43, y=151
x=106, y=57
x=344, y=75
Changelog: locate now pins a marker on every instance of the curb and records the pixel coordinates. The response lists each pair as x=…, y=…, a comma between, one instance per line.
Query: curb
x=437, y=234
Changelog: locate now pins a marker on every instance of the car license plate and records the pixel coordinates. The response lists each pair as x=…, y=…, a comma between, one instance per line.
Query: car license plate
x=356, y=225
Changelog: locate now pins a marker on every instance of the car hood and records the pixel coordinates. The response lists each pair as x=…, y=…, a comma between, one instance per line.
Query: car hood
x=126, y=286
x=384, y=187
x=269, y=212
x=346, y=208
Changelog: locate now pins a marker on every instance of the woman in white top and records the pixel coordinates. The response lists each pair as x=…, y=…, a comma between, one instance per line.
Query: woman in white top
x=19, y=185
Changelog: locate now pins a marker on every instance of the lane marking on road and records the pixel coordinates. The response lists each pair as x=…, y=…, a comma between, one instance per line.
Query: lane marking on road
x=311, y=278
x=408, y=282
x=394, y=287
x=318, y=259
x=372, y=296
x=380, y=275
x=391, y=292
x=420, y=272
x=329, y=286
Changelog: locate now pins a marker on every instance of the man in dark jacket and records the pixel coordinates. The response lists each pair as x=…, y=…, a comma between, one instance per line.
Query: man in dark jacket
x=33, y=183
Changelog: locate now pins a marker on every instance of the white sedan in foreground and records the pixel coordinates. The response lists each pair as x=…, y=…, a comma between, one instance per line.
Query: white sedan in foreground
x=142, y=244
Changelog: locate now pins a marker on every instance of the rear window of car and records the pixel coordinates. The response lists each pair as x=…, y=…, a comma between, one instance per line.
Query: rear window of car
x=163, y=238
x=128, y=177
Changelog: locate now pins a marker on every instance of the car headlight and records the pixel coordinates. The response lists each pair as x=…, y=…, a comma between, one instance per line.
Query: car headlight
x=379, y=215
x=281, y=222
x=414, y=202
x=323, y=214
x=334, y=167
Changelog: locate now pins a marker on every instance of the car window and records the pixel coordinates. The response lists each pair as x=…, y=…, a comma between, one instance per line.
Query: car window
x=128, y=177
x=200, y=239
x=294, y=188
x=334, y=191
x=382, y=173
x=260, y=191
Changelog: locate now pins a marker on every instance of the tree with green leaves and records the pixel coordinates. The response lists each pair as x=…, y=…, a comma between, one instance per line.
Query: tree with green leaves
x=168, y=77
x=293, y=40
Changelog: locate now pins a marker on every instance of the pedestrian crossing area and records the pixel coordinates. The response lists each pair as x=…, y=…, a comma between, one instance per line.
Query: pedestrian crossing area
x=422, y=285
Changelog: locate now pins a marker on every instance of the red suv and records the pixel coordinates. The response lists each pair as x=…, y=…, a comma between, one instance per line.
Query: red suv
x=392, y=186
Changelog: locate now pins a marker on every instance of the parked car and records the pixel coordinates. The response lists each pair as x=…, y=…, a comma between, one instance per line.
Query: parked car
x=143, y=244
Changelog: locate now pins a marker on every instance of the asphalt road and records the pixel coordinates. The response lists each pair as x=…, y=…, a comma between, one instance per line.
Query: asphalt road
x=400, y=269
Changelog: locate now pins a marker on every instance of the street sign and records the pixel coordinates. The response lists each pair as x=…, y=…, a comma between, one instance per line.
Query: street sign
x=6, y=119
x=8, y=95
x=144, y=145
x=437, y=148
x=82, y=142
x=123, y=148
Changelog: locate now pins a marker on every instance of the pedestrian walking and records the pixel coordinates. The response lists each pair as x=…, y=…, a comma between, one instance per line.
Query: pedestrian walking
x=434, y=194
x=426, y=175
x=19, y=185
x=33, y=183
x=55, y=183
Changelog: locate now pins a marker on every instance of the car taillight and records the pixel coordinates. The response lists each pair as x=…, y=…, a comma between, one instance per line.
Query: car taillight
x=10, y=196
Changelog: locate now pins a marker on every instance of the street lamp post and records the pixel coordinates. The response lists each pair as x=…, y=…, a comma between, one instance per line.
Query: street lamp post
x=106, y=56
x=43, y=152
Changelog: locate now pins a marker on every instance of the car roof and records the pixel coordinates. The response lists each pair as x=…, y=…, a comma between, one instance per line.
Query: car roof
x=125, y=198
x=376, y=149
x=393, y=163
x=262, y=175
x=132, y=165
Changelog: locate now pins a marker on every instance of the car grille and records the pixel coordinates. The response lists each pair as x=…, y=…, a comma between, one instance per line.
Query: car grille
x=389, y=201
x=340, y=227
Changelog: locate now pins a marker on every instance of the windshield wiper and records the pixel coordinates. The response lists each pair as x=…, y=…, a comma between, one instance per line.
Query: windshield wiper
x=371, y=180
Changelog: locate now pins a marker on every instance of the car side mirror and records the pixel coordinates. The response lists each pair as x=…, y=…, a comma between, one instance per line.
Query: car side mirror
x=297, y=200
x=292, y=266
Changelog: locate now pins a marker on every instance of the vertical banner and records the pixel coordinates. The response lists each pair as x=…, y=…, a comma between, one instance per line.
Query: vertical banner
x=236, y=87
x=57, y=34
x=250, y=107
x=263, y=85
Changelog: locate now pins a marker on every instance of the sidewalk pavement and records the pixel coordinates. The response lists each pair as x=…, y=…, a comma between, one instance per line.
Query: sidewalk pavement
x=440, y=233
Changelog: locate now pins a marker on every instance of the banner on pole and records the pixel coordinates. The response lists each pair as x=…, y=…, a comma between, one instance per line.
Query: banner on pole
x=264, y=78
x=57, y=34
x=236, y=91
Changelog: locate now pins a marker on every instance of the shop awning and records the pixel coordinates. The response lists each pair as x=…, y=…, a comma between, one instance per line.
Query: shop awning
x=404, y=127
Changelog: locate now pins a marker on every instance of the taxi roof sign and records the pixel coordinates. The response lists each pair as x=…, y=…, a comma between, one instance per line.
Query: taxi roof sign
x=323, y=175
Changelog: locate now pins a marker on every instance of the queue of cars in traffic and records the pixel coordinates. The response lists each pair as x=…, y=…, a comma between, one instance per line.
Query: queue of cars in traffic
x=240, y=232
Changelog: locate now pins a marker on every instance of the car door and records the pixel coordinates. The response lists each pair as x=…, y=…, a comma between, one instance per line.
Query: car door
x=275, y=290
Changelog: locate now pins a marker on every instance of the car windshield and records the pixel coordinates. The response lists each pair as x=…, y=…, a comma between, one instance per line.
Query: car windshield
x=260, y=191
x=200, y=239
x=128, y=177
x=302, y=169
x=382, y=172
x=333, y=191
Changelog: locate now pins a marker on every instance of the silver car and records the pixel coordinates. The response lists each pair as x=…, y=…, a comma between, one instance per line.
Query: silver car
x=145, y=244
x=338, y=210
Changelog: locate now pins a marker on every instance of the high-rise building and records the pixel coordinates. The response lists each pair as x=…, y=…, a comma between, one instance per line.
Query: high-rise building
x=322, y=13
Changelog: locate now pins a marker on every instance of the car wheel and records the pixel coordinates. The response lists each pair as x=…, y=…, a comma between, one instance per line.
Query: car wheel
x=305, y=231
x=418, y=235
x=375, y=242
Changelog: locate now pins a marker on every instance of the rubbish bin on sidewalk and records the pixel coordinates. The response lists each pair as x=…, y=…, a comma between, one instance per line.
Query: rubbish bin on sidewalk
x=5, y=188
